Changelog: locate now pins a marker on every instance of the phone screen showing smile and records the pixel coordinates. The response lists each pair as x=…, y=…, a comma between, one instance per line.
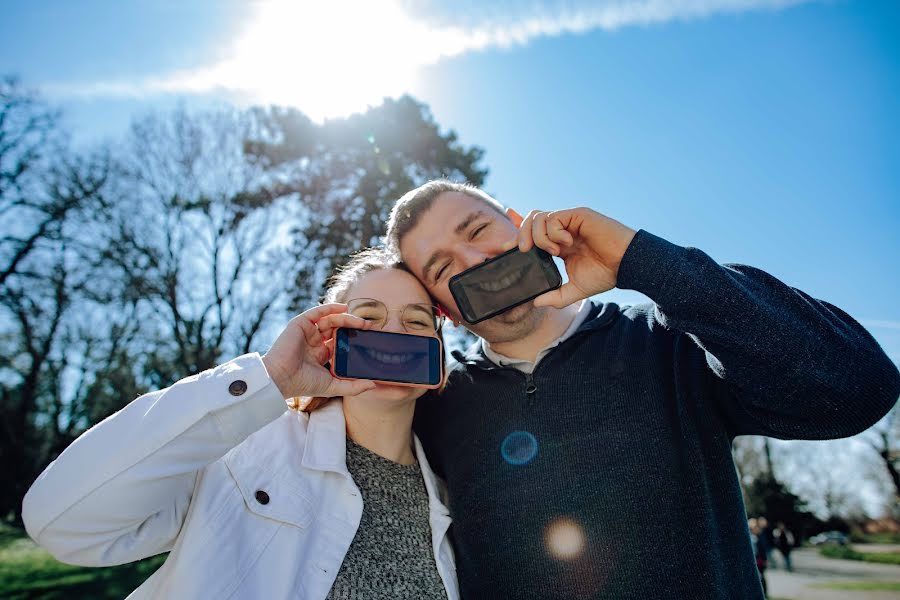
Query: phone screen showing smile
x=387, y=356
x=504, y=282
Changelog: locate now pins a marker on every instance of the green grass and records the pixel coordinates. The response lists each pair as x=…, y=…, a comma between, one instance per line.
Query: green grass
x=861, y=586
x=27, y=571
x=847, y=553
x=875, y=538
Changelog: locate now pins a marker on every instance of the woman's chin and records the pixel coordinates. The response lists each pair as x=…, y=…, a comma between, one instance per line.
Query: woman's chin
x=385, y=392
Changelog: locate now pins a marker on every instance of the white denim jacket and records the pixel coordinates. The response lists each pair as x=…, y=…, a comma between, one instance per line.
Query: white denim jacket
x=250, y=499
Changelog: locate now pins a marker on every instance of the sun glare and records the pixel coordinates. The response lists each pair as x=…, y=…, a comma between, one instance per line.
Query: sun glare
x=327, y=58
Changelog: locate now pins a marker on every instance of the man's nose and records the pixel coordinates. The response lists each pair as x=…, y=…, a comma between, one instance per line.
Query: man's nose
x=476, y=255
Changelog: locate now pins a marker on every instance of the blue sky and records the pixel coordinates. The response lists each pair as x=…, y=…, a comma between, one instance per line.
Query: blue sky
x=764, y=132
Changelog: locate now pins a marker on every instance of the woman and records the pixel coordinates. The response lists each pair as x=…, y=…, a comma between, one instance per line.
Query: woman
x=256, y=501
x=760, y=550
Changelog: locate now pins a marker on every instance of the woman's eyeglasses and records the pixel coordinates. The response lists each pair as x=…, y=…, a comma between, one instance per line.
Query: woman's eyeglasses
x=416, y=318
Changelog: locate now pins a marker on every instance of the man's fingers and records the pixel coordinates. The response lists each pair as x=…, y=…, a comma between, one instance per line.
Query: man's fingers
x=525, y=239
x=561, y=297
x=539, y=234
x=556, y=231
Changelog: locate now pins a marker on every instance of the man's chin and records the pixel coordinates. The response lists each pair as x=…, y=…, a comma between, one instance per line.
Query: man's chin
x=519, y=321
x=514, y=315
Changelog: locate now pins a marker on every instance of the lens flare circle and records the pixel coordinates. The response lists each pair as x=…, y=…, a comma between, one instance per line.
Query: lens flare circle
x=519, y=448
x=564, y=539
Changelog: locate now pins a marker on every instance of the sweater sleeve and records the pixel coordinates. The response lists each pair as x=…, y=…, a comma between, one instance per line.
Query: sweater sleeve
x=120, y=492
x=781, y=363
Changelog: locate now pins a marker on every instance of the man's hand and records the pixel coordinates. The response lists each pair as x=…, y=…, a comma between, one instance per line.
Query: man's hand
x=590, y=244
x=294, y=362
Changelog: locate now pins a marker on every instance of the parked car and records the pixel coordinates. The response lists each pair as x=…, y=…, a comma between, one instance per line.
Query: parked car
x=830, y=537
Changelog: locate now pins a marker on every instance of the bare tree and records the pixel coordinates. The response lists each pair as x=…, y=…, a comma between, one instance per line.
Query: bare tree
x=183, y=243
x=44, y=190
x=30, y=145
x=884, y=439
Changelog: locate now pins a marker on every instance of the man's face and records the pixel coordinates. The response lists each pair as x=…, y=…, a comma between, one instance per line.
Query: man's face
x=455, y=233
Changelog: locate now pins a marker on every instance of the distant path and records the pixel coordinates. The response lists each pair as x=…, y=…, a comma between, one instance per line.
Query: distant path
x=811, y=569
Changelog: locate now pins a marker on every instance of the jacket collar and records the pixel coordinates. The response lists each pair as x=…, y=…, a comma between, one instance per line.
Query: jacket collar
x=325, y=449
x=599, y=316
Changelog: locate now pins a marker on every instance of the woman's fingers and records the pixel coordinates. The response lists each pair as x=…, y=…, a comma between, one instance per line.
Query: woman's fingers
x=347, y=387
x=307, y=321
x=318, y=312
x=329, y=323
x=311, y=333
x=321, y=354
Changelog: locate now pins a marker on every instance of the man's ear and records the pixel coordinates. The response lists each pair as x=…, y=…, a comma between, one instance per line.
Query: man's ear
x=515, y=217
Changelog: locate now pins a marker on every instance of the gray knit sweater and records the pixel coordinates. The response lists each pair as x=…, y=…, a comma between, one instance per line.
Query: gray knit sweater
x=391, y=555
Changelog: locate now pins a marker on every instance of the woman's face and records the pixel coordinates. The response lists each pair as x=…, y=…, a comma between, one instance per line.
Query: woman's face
x=396, y=289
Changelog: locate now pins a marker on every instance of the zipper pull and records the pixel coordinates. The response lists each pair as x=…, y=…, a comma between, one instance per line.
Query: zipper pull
x=530, y=387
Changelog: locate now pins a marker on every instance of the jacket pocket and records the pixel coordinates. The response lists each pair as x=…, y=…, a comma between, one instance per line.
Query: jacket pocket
x=270, y=494
x=230, y=537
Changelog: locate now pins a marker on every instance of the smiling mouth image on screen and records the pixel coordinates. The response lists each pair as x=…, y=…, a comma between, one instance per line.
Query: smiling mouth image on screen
x=378, y=361
x=500, y=288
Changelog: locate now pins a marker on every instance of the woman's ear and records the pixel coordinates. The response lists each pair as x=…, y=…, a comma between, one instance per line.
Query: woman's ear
x=442, y=311
x=515, y=217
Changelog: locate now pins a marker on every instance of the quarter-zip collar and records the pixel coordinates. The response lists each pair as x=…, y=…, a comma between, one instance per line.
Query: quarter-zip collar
x=600, y=316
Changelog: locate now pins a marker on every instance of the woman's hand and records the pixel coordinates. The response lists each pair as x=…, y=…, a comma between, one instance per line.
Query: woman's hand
x=294, y=362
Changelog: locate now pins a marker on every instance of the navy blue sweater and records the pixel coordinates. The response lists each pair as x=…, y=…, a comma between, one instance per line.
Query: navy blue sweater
x=608, y=473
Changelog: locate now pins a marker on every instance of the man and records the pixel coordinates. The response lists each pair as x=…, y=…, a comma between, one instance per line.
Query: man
x=784, y=541
x=587, y=448
x=769, y=536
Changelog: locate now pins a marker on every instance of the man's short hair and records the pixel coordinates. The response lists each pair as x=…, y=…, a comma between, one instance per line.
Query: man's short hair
x=408, y=210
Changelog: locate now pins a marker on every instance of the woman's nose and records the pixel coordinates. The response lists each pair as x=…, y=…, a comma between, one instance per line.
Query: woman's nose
x=394, y=324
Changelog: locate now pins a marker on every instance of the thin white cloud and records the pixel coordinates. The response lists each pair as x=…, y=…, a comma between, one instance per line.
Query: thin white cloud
x=333, y=58
x=880, y=324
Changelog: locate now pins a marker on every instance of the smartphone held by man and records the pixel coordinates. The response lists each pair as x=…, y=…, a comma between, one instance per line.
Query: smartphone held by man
x=503, y=282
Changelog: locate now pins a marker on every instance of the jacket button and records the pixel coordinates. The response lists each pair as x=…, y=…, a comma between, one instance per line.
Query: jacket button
x=262, y=497
x=237, y=387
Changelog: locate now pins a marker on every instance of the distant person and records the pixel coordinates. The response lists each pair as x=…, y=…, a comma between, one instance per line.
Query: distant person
x=582, y=442
x=760, y=551
x=253, y=500
x=784, y=541
x=768, y=533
